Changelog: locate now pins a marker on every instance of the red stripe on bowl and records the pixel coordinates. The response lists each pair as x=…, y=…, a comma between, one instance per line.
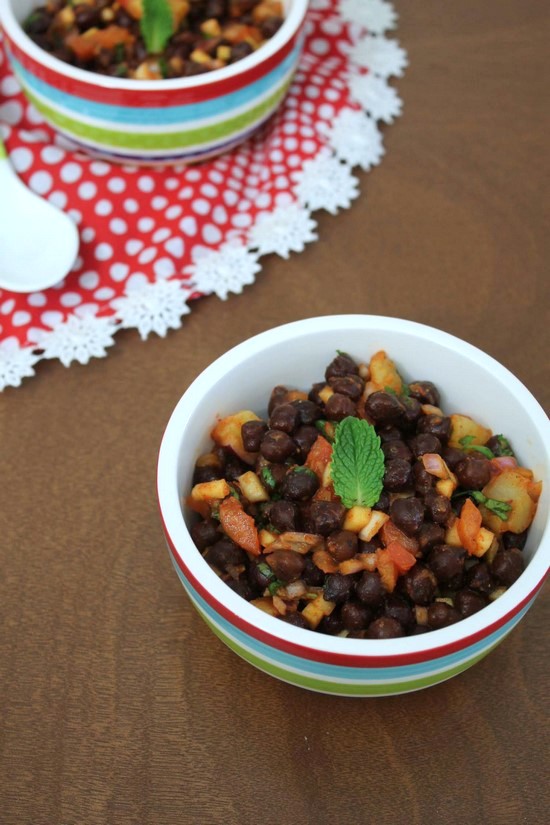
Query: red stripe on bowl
x=212, y=87
x=345, y=659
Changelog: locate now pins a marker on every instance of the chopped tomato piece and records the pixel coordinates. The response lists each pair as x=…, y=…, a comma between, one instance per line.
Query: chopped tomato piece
x=319, y=456
x=468, y=526
x=390, y=532
x=400, y=556
x=239, y=526
x=87, y=45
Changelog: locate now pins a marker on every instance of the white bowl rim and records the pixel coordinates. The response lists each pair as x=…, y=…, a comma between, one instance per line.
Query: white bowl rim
x=456, y=635
x=292, y=23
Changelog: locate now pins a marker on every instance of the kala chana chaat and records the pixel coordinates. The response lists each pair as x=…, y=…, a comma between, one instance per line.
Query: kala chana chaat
x=360, y=508
x=153, y=39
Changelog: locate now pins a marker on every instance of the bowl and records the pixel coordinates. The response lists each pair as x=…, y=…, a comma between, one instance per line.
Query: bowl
x=183, y=120
x=296, y=355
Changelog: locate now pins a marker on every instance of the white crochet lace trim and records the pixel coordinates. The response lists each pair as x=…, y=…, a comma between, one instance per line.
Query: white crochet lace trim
x=324, y=182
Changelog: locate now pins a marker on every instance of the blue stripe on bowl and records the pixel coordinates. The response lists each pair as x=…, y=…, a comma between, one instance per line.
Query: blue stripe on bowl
x=340, y=673
x=171, y=115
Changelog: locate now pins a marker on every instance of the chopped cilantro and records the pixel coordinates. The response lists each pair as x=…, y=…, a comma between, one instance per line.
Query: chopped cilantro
x=504, y=445
x=466, y=442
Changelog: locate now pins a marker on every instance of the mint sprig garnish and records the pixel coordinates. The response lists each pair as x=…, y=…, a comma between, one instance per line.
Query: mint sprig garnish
x=466, y=442
x=156, y=24
x=357, y=464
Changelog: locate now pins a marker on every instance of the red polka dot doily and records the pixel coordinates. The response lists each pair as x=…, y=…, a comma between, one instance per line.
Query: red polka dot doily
x=152, y=239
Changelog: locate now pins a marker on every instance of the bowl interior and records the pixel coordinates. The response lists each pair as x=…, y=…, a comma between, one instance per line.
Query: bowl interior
x=14, y=12
x=470, y=382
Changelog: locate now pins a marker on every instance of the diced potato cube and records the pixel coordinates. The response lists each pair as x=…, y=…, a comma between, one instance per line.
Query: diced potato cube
x=462, y=426
x=383, y=372
x=265, y=603
x=252, y=488
x=483, y=542
x=356, y=518
x=326, y=393
x=227, y=433
x=210, y=490
x=317, y=610
x=295, y=395
x=266, y=537
x=446, y=486
x=375, y=523
x=451, y=535
x=515, y=489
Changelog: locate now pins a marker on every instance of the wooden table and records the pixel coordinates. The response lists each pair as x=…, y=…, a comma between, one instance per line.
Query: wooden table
x=118, y=705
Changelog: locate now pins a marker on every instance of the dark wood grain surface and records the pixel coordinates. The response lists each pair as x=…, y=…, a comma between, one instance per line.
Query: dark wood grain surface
x=117, y=704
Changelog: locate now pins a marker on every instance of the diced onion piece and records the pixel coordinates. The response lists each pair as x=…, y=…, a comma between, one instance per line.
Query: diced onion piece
x=324, y=561
x=298, y=542
x=294, y=590
x=502, y=462
x=434, y=465
x=317, y=610
x=363, y=371
x=377, y=520
x=431, y=409
x=362, y=561
x=326, y=481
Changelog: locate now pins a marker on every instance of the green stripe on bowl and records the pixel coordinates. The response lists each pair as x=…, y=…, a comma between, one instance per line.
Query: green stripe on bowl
x=3, y=153
x=167, y=140
x=343, y=688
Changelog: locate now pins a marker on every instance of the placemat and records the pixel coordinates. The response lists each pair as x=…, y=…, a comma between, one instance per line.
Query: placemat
x=153, y=239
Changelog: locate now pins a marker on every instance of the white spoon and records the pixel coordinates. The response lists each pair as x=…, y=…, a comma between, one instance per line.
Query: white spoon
x=38, y=242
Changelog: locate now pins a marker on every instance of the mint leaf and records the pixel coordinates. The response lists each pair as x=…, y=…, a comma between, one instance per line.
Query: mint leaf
x=156, y=24
x=467, y=444
x=499, y=508
x=357, y=465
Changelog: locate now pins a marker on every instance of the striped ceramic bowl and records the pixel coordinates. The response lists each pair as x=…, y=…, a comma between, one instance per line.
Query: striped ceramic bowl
x=161, y=121
x=296, y=355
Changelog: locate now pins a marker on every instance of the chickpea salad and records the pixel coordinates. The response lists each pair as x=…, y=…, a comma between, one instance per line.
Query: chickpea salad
x=360, y=508
x=153, y=39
